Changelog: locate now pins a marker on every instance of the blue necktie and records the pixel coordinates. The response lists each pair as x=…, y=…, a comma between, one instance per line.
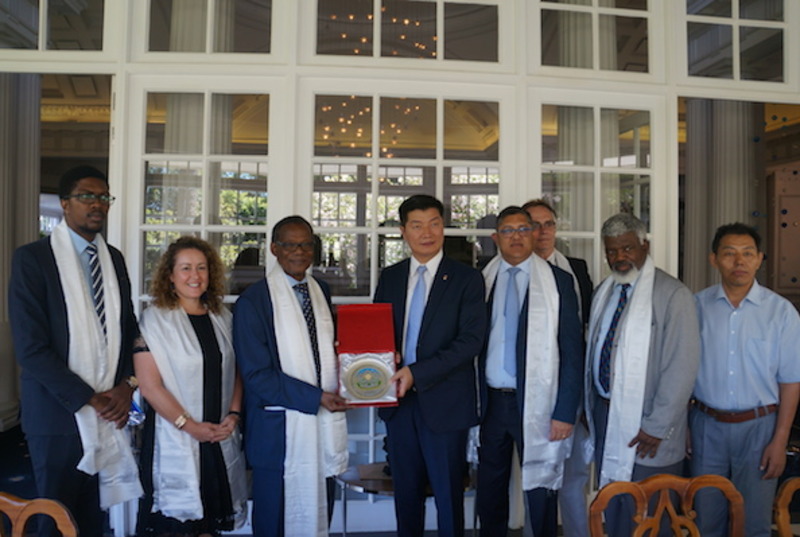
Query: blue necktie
x=511, y=313
x=97, y=285
x=415, y=311
x=311, y=324
x=608, y=344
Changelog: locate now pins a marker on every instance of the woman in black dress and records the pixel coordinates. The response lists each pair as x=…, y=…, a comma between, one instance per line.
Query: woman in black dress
x=192, y=462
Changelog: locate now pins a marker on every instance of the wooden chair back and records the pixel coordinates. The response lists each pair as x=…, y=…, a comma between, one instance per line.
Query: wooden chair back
x=682, y=521
x=782, y=500
x=19, y=511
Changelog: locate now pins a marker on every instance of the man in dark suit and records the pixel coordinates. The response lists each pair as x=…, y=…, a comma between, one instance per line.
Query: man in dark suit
x=530, y=373
x=71, y=369
x=439, y=322
x=283, y=337
x=572, y=496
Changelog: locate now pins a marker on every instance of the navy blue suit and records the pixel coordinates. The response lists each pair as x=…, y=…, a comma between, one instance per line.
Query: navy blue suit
x=502, y=427
x=266, y=385
x=51, y=392
x=581, y=270
x=427, y=432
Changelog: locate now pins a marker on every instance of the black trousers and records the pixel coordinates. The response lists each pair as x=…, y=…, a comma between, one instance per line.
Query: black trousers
x=500, y=430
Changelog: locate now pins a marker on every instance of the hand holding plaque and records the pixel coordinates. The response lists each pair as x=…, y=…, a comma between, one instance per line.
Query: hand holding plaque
x=366, y=354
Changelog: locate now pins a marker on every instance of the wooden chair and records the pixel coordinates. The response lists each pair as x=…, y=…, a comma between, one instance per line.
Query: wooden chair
x=661, y=485
x=781, y=508
x=19, y=511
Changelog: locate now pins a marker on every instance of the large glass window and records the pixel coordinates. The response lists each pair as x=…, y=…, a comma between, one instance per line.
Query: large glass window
x=441, y=147
x=408, y=29
x=736, y=39
x=68, y=25
x=236, y=26
x=610, y=35
x=596, y=162
x=205, y=174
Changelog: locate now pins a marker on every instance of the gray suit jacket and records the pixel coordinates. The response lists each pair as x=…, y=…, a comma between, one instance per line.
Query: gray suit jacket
x=671, y=370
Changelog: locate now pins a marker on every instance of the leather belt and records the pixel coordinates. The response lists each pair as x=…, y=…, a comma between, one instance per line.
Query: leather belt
x=504, y=391
x=735, y=417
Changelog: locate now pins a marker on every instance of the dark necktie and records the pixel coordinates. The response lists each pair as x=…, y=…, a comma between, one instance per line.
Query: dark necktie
x=97, y=285
x=415, y=311
x=608, y=344
x=308, y=313
x=511, y=312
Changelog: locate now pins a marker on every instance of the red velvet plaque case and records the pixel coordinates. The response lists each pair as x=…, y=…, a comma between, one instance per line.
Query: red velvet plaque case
x=366, y=354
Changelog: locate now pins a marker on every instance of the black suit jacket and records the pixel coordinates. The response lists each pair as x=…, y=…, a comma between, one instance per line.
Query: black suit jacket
x=581, y=270
x=570, y=349
x=451, y=337
x=51, y=392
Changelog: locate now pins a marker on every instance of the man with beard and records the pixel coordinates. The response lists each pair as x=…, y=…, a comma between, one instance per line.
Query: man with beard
x=641, y=364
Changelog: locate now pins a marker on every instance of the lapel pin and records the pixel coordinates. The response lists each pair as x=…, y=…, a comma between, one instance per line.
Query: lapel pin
x=444, y=277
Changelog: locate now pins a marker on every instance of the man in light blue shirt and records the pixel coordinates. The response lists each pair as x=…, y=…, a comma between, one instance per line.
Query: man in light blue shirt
x=747, y=388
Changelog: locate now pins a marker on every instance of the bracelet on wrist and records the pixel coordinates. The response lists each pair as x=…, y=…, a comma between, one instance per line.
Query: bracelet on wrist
x=181, y=420
x=235, y=413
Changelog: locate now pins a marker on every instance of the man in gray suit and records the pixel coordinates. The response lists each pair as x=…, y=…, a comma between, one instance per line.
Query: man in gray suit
x=641, y=363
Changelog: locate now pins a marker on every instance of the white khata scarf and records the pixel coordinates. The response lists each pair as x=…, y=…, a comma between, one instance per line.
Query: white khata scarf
x=176, y=461
x=542, y=460
x=628, y=372
x=106, y=449
x=316, y=445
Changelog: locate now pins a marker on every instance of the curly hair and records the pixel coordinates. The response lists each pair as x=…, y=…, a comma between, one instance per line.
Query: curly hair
x=161, y=288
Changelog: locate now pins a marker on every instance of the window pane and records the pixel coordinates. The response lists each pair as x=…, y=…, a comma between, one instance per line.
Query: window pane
x=343, y=126
x=391, y=249
x=626, y=138
x=174, y=123
x=244, y=257
x=710, y=51
x=343, y=262
x=345, y=27
x=624, y=4
x=240, y=124
x=20, y=28
x=761, y=53
x=572, y=196
x=471, y=196
x=395, y=184
x=765, y=10
x=717, y=8
x=471, y=130
x=566, y=39
x=408, y=128
x=240, y=189
x=470, y=32
x=626, y=194
x=623, y=43
x=178, y=25
x=243, y=26
x=408, y=29
x=74, y=25
x=573, y=2
x=575, y=247
x=173, y=193
x=155, y=243
x=340, y=195
x=567, y=135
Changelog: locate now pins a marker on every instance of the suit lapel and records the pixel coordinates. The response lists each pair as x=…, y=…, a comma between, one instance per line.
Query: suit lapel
x=439, y=287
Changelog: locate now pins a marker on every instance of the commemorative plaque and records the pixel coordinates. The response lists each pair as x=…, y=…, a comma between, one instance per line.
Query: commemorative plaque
x=366, y=354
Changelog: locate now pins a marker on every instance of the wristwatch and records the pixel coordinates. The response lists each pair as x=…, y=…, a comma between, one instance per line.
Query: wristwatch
x=132, y=382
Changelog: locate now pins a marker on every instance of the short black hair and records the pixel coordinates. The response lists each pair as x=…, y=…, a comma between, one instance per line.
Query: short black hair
x=737, y=228
x=419, y=202
x=71, y=177
x=540, y=202
x=510, y=211
x=288, y=221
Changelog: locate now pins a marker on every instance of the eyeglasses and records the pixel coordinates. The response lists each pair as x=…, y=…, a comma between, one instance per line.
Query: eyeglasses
x=293, y=246
x=88, y=199
x=509, y=231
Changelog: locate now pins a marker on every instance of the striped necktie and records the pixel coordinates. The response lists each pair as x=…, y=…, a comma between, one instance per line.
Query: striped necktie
x=97, y=285
x=608, y=344
x=311, y=324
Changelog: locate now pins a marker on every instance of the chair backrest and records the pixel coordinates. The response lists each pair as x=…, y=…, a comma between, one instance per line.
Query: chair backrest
x=660, y=486
x=782, y=500
x=19, y=511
